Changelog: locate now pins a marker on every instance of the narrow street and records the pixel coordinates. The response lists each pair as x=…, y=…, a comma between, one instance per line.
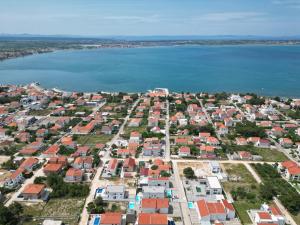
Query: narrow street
x=167, y=136
x=96, y=182
x=182, y=198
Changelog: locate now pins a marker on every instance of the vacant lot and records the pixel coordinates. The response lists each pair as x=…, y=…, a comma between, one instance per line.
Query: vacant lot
x=200, y=168
x=240, y=177
x=92, y=139
x=268, y=155
x=41, y=112
x=63, y=209
x=139, y=129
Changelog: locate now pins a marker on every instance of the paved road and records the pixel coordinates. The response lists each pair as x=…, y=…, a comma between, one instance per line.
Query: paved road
x=167, y=128
x=181, y=194
x=253, y=172
x=96, y=182
x=121, y=130
x=208, y=117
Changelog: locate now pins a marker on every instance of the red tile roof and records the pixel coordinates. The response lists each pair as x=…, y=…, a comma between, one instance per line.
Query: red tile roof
x=155, y=203
x=264, y=215
x=29, y=162
x=33, y=189
x=111, y=218
x=51, y=167
x=74, y=173
x=152, y=219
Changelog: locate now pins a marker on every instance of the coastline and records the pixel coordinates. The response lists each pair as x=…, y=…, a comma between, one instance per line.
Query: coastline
x=144, y=44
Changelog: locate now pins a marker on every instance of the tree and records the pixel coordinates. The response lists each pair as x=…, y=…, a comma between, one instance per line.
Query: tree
x=266, y=191
x=97, y=206
x=39, y=180
x=154, y=167
x=10, y=215
x=164, y=173
x=249, y=129
x=189, y=173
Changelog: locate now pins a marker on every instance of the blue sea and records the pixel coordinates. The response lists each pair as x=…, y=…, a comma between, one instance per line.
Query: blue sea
x=265, y=70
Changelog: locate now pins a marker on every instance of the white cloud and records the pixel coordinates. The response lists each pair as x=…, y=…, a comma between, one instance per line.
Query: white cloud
x=230, y=16
x=147, y=19
x=288, y=3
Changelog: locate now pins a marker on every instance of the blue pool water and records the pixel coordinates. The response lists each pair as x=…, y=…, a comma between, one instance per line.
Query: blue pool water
x=131, y=205
x=263, y=69
x=96, y=220
x=138, y=198
x=169, y=193
x=190, y=205
x=99, y=190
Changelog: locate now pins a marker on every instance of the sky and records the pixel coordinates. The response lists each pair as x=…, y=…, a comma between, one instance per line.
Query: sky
x=150, y=17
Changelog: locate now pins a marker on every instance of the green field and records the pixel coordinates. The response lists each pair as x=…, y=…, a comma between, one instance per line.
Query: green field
x=246, y=181
x=268, y=155
x=41, y=112
x=92, y=139
x=139, y=129
x=67, y=210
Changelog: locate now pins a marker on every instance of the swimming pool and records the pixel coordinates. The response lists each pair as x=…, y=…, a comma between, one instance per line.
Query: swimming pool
x=99, y=190
x=131, y=205
x=169, y=193
x=96, y=220
x=138, y=198
x=190, y=205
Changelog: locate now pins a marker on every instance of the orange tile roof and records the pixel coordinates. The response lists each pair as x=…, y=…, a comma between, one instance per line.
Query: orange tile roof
x=111, y=218
x=228, y=205
x=29, y=162
x=33, y=189
x=152, y=219
x=294, y=170
x=264, y=215
x=72, y=172
x=208, y=208
x=156, y=203
x=53, y=149
x=275, y=210
x=51, y=167
x=288, y=164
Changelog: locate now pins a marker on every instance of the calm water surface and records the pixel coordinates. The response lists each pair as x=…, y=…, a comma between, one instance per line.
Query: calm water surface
x=268, y=70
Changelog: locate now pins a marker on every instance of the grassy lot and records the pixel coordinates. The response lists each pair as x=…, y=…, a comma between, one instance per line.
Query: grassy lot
x=245, y=180
x=41, y=112
x=140, y=129
x=268, y=155
x=271, y=155
x=296, y=218
x=91, y=139
x=66, y=210
x=241, y=209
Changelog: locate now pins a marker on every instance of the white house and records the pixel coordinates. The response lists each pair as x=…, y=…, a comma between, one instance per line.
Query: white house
x=153, y=191
x=115, y=192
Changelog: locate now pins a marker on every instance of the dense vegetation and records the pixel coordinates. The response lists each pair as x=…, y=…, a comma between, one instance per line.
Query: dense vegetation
x=189, y=173
x=255, y=100
x=10, y=215
x=249, y=129
x=294, y=114
x=63, y=189
x=275, y=186
x=97, y=206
